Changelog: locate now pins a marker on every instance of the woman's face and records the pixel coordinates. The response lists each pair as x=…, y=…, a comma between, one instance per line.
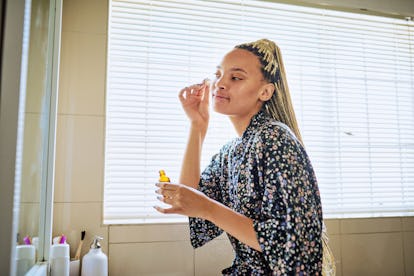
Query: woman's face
x=236, y=90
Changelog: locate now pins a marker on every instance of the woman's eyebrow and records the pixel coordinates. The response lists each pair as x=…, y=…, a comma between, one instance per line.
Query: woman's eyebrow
x=234, y=69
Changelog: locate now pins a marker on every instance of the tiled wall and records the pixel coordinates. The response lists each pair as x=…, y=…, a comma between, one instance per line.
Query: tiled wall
x=78, y=192
x=361, y=246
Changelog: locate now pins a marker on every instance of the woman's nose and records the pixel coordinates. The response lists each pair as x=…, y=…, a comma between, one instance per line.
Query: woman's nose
x=220, y=83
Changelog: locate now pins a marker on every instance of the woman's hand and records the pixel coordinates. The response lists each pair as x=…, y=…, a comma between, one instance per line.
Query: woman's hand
x=195, y=102
x=190, y=202
x=184, y=200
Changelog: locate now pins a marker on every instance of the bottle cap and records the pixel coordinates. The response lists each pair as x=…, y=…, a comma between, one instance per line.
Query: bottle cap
x=59, y=250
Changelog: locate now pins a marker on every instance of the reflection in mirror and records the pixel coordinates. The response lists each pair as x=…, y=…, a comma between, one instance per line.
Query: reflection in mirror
x=36, y=133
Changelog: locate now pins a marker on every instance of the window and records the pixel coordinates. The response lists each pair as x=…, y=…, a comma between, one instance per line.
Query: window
x=351, y=77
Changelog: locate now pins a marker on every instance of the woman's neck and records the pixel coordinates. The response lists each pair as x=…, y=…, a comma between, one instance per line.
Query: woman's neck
x=241, y=122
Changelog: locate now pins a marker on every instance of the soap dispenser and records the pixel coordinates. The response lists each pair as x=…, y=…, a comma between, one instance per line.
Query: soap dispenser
x=95, y=263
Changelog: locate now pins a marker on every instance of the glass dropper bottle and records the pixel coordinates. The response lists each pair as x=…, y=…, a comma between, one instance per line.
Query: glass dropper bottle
x=163, y=177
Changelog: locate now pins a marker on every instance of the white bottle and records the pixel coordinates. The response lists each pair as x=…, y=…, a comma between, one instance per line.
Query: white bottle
x=95, y=263
x=25, y=258
x=59, y=259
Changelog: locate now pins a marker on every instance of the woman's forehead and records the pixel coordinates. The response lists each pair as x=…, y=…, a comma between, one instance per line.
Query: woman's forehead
x=240, y=60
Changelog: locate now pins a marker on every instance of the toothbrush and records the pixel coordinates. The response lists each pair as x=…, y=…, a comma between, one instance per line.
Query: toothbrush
x=78, y=251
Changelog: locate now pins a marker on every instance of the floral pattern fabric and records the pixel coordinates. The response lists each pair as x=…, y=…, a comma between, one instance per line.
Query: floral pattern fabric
x=267, y=176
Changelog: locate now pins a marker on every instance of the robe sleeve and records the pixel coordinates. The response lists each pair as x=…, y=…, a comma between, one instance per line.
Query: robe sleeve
x=201, y=230
x=291, y=217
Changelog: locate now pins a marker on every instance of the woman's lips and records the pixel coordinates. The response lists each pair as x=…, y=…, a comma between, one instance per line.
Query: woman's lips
x=220, y=97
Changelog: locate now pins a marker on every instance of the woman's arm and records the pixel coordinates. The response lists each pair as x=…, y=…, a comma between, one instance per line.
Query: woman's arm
x=195, y=102
x=190, y=168
x=193, y=203
x=237, y=225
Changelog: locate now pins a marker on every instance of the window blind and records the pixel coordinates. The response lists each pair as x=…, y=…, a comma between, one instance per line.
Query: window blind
x=351, y=78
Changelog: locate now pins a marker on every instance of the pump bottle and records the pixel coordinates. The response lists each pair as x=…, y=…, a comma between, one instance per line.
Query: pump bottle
x=95, y=263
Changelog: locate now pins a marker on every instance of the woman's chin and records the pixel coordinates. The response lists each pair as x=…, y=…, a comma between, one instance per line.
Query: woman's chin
x=219, y=109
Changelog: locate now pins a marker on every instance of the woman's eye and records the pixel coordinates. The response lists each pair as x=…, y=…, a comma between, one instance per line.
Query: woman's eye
x=236, y=78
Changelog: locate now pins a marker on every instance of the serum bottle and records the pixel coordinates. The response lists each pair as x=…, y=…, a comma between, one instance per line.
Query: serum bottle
x=163, y=177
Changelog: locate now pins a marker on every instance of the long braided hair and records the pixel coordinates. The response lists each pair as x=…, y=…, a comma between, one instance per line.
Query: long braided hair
x=281, y=109
x=280, y=104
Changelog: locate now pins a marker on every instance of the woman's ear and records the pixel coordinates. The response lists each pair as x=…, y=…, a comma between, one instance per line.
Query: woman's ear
x=267, y=92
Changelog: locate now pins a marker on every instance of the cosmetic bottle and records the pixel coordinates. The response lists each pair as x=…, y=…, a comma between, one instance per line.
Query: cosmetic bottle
x=59, y=259
x=25, y=258
x=95, y=263
x=163, y=177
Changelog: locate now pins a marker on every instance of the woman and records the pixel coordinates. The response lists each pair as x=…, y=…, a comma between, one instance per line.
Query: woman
x=260, y=188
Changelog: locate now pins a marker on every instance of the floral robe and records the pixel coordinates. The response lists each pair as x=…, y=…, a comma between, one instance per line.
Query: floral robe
x=267, y=176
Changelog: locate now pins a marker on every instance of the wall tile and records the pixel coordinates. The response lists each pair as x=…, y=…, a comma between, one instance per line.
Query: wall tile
x=372, y=254
x=335, y=245
x=90, y=16
x=157, y=258
x=408, y=223
x=409, y=252
x=149, y=233
x=213, y=257
x=370, y=225
x=82, y=74
x=72, y=218
x=79, y=159
x=332, y=225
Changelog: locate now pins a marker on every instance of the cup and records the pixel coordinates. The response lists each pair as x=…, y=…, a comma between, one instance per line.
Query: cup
x=59, y=259
x=74, y=267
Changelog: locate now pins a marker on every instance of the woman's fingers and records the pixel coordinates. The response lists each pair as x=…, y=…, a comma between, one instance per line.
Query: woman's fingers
x=170, y=201
x=167, y=186
x=192, y=90
x=171, y=210
x=169, y=195
x=166, y=199
x=206, y=95
x=167, y=190
x=184, y=200
x=181, y=94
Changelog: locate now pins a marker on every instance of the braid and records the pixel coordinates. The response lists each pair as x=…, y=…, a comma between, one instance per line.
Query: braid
x=280, y=104
x=281, y=109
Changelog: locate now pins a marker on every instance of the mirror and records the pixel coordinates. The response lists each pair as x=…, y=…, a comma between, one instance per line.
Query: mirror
x=39, y=127
x=36, y=123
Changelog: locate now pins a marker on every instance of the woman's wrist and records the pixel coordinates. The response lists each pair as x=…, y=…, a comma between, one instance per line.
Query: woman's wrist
x=199, y=127
x=210, y=209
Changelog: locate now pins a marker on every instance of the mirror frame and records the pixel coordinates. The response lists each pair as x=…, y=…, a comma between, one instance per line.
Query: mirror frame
x=46, y=196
